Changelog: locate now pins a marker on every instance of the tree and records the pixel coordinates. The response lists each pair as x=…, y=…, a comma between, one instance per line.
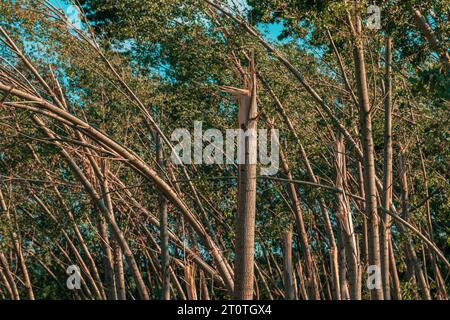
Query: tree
x=87, y=176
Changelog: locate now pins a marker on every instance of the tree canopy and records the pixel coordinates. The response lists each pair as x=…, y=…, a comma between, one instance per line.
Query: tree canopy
x=91, y=92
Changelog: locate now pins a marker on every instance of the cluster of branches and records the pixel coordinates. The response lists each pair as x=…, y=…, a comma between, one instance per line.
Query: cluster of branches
x=86, y=181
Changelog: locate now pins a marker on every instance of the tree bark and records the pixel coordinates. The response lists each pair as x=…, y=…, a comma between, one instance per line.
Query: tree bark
x=370, y=187
x=385, y=228
x=346, y=221
x=288, y=269
x=246, y=211
x=163, y=227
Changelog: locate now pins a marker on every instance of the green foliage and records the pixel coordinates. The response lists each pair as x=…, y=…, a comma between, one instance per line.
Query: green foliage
x=173, y=54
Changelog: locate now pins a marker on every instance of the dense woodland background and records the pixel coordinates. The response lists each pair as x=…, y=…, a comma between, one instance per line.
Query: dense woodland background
x=86, y=113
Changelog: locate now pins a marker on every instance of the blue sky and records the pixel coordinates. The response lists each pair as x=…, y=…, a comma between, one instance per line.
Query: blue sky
x=270, y=31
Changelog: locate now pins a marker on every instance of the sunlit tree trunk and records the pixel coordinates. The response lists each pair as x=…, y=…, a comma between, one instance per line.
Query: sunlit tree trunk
x=385, y=228
x=245, y=220
x=346, y=221
x=368, y=154
x=288, y=269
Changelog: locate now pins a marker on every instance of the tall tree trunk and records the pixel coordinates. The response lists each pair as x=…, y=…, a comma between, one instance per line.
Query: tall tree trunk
x=387, y=170
x=370, y=187
x=163, y=227
x=245, y=220
x=346, y=220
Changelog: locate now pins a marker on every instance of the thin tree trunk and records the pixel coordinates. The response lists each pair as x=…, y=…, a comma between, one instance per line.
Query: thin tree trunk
x=387, y=171
x=17, y=248
x=365, y=229
x=108, y=260
x=311, y=277
x=288, y=269
x=346, y=220
x=410, y=251
x=396, y=293
x=335, y=275
x=430, y=35
x=163, y=227
x=72, y=246
x=103, y=209
x=204, y=286
x=342, y=263
x=370, y=187
x=5, y=266
x=6, y=283
x=440, y=283
x=137, y=164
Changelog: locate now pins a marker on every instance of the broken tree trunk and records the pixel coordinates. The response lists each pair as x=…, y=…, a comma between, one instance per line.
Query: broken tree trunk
x=246, y=209
x=346, y=221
